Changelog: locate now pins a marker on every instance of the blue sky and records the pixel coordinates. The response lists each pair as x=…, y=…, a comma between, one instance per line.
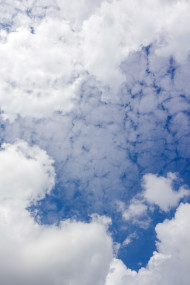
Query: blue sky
x=95, y=157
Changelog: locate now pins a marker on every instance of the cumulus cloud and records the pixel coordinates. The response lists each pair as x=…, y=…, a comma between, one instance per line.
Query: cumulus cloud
x=71, y=253
x=169, y=264
x=159, y=191
x=27, y=173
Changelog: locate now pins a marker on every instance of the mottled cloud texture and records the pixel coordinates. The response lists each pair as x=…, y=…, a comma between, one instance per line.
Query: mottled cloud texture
x=94, y=114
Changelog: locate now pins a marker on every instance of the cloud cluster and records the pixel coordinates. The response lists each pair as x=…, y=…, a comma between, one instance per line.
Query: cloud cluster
x=44, y=59
x=103, y=88
x=71, y=253
x=169, y=264
x=157, y=191
x=100, y=148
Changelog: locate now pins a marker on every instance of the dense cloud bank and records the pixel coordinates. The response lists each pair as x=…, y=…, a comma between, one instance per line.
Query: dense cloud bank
x=94, y=113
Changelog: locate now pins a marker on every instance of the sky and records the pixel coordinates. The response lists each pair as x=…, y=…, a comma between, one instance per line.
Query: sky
x=94, y=142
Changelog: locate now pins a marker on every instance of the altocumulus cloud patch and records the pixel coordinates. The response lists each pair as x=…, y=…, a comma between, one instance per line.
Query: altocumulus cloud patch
x=94, y=159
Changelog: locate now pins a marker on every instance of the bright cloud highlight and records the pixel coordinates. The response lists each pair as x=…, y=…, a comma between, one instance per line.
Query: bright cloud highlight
x=158, y=191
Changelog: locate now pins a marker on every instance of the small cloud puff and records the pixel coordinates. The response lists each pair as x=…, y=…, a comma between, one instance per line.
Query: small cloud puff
x=136, y=212
x=159, y=191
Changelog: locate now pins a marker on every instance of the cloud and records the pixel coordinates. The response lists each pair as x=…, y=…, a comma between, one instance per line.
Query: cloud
x=103, y=88
x=169, y=264
x=39, y=70
x=135, y=213
x=71, y=253
x=27, y=173
x=77, y=12
x=100, y=148
x=27, y=12
x=159, y=191
x=136, y=208
x=120, y=27
x=45, y=60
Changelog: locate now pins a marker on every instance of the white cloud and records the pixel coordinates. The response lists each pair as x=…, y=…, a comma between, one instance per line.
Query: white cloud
x=42, y=71
x=121, y=27
x=169, y=264
x=78, y=11
x=74, y=252
x=159, y=191
x=135, y=213
x=39, y=72
x=71, y=253
x=26, y=174
x=30, y=11
x=135, y=209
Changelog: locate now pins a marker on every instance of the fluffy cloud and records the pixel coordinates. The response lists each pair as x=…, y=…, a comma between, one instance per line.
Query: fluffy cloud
x=39, y=70
x=120, y=27
x=71, y=253
x=136, y=208
x=27, y=173
x=136, y=212
x=159, y=191
x=169, y=264
x=44, y=60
